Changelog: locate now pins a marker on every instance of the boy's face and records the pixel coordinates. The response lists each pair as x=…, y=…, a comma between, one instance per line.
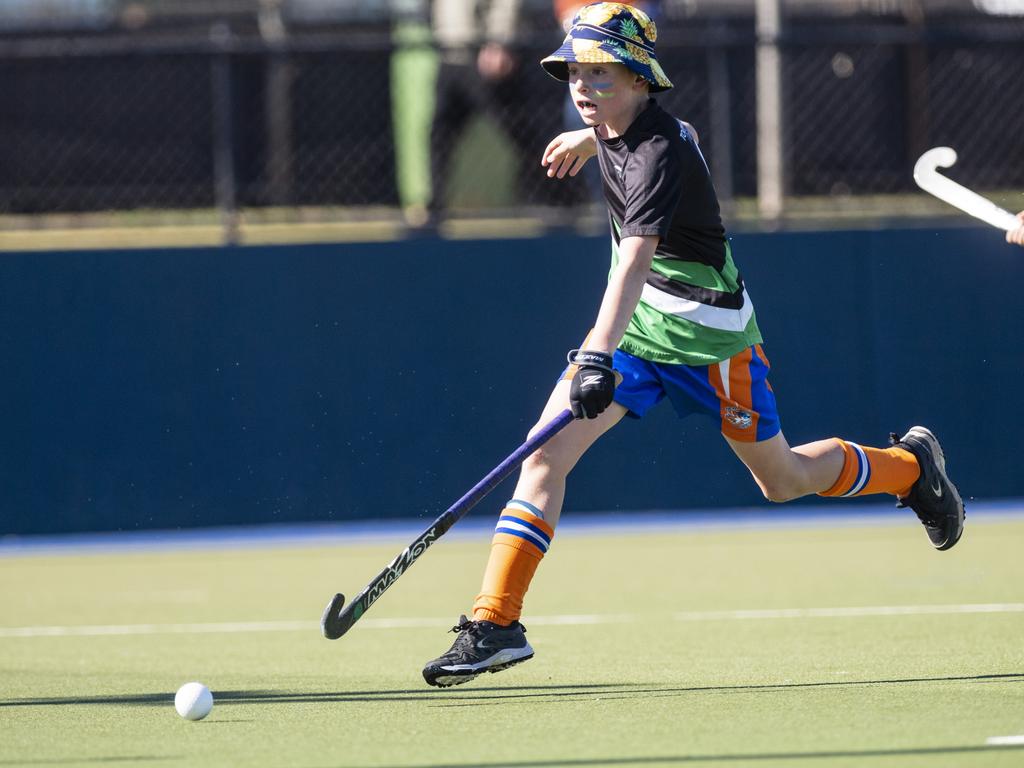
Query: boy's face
x=605, y=93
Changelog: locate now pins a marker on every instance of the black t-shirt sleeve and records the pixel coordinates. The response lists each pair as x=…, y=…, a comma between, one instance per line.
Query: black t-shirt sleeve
x=653, y=187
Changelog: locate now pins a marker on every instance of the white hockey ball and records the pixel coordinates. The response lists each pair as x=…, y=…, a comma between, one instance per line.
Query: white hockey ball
x=193, y=701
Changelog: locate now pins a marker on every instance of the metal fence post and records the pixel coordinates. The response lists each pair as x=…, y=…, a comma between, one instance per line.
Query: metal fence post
x=720, y=97
x=279, y=72
x=770, y=180
x=225, y=192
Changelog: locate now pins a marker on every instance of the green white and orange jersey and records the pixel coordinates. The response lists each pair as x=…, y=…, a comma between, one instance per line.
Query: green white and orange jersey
x=694, y=309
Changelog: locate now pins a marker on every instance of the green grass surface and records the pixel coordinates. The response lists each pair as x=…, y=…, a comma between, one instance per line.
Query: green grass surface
x=652, y=683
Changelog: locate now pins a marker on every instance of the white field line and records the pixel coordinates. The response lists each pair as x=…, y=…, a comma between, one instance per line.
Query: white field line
x=870, y=610
x=98, y=630
x=233, y=627
x=998, y=741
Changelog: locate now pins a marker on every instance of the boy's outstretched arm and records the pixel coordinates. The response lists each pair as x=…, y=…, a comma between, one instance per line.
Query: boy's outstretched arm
x=593, y=384
x=623, y=292
x=1014, y=235
x=568, y=152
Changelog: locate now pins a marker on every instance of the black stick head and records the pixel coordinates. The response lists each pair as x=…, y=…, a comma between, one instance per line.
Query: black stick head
x=332, y=625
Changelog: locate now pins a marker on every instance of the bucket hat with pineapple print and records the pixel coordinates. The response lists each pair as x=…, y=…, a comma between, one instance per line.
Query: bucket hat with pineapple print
x=610, y=32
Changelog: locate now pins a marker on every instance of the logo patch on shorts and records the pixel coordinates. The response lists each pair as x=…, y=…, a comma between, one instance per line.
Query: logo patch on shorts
x=738, y=417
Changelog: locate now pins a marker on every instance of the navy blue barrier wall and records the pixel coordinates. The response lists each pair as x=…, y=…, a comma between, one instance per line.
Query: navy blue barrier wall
x=147, y=389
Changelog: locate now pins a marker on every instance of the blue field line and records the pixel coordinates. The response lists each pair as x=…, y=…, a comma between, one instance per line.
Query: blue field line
x=480, y=526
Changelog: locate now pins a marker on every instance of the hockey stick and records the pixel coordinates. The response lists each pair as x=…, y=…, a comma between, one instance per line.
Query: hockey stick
x=339, y=618
x=947, y=190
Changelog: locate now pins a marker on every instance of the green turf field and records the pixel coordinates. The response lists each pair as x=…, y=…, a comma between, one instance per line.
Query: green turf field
x=645, y=655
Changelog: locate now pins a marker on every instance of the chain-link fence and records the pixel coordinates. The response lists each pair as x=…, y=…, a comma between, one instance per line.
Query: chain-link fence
x=858, y=113
x=313, y=108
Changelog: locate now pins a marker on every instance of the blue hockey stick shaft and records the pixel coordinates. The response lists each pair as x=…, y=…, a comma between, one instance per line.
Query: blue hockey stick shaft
x=338, y=618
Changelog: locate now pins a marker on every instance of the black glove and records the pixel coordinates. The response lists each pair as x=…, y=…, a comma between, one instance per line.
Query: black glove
x=593, y=385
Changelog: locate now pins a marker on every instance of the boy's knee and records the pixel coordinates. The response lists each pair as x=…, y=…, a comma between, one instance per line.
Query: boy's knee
x=781, y=489
x=540, y=460
x=545, y=462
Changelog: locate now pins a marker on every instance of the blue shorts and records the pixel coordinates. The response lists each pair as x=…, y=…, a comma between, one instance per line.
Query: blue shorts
x=736, y=391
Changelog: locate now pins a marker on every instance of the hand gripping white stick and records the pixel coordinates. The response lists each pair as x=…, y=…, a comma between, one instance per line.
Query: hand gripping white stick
x=947, y=190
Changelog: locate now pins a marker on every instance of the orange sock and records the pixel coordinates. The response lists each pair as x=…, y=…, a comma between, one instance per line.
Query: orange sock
x=874, y=470
x=520, y=540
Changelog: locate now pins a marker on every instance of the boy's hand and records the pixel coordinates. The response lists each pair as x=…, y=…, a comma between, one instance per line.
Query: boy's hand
x=568, y=152
x=593, y=386
x=1017, y=235
x=495, y=62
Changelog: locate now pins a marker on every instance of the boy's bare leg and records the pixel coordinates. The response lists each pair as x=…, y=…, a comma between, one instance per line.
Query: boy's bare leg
x=542, y=479
x=913, y=470
x=495, y=640
x=527, y=524
x=786, y=473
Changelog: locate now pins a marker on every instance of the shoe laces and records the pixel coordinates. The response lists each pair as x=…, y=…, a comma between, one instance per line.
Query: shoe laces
x=464, y=625
x=467, y=625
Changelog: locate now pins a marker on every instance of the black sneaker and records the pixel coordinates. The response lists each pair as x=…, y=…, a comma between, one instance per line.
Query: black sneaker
x=933, y=497
x=481, y=646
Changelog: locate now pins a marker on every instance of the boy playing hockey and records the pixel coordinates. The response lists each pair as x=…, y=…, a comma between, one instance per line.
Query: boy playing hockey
x=675, y=321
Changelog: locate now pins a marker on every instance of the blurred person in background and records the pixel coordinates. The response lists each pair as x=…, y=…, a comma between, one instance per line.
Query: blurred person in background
x=565, y=10
x=1017, y=235
x=480, y=71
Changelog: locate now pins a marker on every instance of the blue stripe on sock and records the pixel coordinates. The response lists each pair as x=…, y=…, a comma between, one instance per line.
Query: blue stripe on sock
x=525, y=524
x=863, y=471
x=525, y=537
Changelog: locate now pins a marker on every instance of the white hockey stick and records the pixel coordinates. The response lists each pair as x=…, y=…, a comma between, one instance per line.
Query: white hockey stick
x=947, y=190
